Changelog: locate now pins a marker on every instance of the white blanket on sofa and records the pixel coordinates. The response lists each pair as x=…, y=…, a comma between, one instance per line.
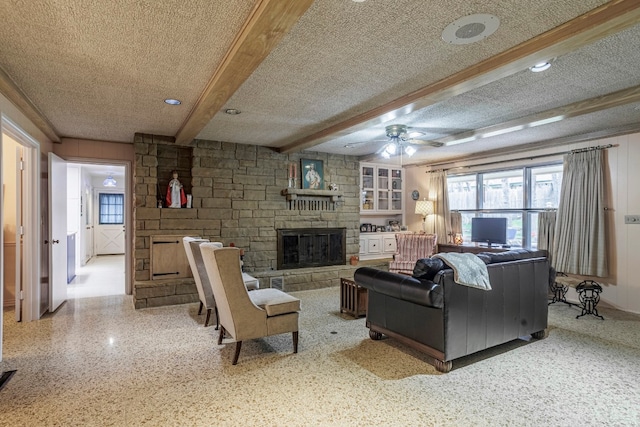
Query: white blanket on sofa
x=468, y=269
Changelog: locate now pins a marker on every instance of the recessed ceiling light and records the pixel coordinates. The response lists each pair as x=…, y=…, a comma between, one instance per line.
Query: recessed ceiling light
x=358, y=1
x=540, y=66
x=232, y=111
x=471, y=28
x=172, y=101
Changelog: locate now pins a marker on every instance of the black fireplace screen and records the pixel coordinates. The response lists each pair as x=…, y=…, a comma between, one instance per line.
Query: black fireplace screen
x=311, y=247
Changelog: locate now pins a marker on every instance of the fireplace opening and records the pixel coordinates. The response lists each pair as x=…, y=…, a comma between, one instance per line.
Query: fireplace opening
x=311, y=247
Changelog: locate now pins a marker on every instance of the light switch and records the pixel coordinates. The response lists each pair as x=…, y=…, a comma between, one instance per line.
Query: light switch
x=632, y=219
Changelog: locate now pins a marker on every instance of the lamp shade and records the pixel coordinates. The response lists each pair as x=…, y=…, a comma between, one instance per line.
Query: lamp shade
x=424, y=207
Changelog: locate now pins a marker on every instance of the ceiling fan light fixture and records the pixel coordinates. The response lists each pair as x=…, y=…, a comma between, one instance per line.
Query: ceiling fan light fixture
x=385, y=155
x=391, y=148
x=109, y=181
x=409, y=150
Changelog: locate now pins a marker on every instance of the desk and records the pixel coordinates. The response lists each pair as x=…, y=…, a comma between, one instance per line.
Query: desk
x=445, y=247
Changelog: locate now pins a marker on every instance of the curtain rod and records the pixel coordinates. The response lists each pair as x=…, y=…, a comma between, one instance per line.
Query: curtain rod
x=540, y=156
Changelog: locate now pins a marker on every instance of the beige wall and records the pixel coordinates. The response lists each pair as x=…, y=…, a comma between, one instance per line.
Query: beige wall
x=622, y=288
x=9, y=147
x=72, y=148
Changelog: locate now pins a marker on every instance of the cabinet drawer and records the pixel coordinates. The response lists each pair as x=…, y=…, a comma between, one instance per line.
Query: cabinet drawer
x=374, y=245
x=390, y=244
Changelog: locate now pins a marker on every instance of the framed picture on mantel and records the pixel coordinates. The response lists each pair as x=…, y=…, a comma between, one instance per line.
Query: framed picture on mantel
x=312, y=174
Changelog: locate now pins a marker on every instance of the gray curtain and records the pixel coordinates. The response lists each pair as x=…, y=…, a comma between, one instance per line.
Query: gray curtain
x=437, y=186
x=580, y=242
x=546, y=232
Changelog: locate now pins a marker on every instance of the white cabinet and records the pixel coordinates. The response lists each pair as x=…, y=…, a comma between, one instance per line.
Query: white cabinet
x=381, y=189
x=377, y=245
x=389, y=244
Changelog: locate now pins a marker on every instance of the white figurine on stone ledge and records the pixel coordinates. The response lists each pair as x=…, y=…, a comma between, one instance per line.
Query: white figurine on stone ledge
x=175, y=193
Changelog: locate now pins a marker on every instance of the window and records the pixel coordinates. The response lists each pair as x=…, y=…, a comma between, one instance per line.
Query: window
x=111, y=208
x=516, y=194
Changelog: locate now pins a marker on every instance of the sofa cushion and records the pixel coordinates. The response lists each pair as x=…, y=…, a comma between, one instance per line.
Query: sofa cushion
x=427, y=268
x=513, y=255
x=485, y=257
x=274, y=301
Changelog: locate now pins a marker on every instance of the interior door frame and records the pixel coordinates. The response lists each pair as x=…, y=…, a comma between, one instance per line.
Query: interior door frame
x=30, y=209
x=128, y=213
x=19, y=223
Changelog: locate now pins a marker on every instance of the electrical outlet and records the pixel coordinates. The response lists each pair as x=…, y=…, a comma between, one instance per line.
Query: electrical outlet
x=632, y=219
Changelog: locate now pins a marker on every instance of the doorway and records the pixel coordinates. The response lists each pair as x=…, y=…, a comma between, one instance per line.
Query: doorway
x=96, y=212
x=19, y=173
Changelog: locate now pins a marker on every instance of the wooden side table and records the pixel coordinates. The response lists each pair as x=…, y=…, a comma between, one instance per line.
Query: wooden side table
x=353, y=298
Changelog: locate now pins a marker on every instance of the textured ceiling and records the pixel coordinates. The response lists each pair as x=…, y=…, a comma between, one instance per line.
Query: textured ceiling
x=100, y=70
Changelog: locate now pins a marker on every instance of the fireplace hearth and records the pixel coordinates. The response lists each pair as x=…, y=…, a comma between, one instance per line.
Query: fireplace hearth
x=311, y=247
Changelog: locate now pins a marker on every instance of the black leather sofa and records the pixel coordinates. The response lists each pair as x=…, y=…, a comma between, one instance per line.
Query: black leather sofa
x=446, y=320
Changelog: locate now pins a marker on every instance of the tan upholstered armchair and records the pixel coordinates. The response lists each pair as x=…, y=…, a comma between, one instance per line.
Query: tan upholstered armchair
x=205, y=294
x=192, y=249
x=409, y=249
x=247, y=315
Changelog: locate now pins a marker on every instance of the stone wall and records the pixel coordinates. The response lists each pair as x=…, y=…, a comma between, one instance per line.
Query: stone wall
x=237, y=199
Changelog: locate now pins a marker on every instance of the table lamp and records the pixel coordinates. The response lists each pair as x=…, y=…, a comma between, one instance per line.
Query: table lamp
x=424, y=208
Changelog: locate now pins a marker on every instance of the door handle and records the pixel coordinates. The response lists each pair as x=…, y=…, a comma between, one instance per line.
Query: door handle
x=46, y=242
x=53, y=242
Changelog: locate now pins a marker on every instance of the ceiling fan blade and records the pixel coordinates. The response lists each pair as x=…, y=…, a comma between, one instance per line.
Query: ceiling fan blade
x=425, y=142
x=359, y=143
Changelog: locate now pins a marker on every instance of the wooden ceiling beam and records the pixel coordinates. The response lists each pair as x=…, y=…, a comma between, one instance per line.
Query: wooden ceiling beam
x=18, y=98
x=267, y=24
x=594, y=25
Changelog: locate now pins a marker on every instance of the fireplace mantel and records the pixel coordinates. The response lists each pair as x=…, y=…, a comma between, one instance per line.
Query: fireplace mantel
x=306, y=199
x=294, y=193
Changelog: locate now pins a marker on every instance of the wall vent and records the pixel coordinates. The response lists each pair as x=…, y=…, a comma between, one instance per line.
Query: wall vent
x=277, y=283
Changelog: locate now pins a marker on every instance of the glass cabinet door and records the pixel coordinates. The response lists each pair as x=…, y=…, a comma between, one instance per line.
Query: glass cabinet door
x=367, y=203
x=367, y=178
x=396, y=189
x=383, y=189
x=367, y=198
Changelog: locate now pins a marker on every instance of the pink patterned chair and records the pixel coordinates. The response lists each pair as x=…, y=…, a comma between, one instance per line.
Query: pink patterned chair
x=409, y=249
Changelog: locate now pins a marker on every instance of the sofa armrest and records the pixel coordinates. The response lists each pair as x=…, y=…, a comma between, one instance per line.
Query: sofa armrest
x=422, y=292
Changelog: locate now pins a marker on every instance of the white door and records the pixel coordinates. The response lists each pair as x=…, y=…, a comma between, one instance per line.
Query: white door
x=109, y=223
x=57, y=231
x=19, y=234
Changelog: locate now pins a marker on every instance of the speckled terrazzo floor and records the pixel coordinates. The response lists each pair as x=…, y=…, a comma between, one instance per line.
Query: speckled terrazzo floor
x=97, y=361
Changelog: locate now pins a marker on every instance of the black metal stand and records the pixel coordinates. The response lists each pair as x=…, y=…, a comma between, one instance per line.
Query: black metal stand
x=559, y=292
x=589, y=294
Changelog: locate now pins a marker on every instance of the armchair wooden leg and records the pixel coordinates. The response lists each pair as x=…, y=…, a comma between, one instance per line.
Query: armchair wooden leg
x=221, y=335
x=200, y=309
x=295, y=341
x=206, y=321
x=235, y=356
x=217, y=318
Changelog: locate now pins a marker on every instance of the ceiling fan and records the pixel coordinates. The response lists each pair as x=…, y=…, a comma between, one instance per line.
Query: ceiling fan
x=400, y=140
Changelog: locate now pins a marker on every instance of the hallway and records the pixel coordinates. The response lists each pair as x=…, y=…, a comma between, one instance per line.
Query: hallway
x=102, y=276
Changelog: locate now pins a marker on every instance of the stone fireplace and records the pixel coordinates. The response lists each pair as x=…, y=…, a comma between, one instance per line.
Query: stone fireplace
x=311, y=247
x=241, y=196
